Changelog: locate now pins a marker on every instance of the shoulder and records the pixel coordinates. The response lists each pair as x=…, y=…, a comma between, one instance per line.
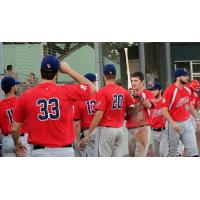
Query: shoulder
x=102, y=90
x=187, y=89
x=29, y=93
x=123, y=89
x=147, y=94
x=170, y=88
x=74, y=87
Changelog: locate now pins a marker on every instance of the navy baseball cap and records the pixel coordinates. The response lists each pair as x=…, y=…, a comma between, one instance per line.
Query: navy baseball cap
x=8, y=82
x=50, y=62
x=109, y=69
x=91, y=77
x=155, y=86
x=180, y=72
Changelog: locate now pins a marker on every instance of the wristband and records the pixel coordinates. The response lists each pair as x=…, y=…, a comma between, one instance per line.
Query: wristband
x=197, y=119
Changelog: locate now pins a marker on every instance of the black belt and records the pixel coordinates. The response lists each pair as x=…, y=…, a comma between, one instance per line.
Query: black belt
x=42, y=147
x=158, y=129
x=7, y=134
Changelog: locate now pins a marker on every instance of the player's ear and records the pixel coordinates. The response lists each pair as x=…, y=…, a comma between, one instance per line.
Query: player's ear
x=56, y=77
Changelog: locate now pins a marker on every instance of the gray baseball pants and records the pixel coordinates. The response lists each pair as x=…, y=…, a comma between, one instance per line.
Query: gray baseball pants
x=89, y=150
x=139, y=140
x=108, y=141
x=160, y=142
x=187, y=137
x=8, y=147
x=51, y=152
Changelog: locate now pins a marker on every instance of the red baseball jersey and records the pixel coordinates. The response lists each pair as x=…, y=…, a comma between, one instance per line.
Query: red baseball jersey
x=84, y=111
x=177, y=100
x=7, y=106
x=157, y=118
x=48, y=111
x=113, y=100
x=139, y=115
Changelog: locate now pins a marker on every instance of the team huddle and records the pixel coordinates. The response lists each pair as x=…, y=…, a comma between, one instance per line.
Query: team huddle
x=76, y=120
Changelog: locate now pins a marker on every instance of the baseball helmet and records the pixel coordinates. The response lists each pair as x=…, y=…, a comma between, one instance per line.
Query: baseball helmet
x=194, y=84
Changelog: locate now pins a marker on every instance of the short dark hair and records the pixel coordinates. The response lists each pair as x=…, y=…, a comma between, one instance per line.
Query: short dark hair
x=47, y=74
x=9, y=67
x=140, y=75
x=7, y=90
x=110, y=76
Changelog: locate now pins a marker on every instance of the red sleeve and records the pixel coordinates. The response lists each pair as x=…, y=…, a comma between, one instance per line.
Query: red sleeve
x=77, y=111
x=19, y=111
x=167, y=98
x=77, y=92
x=100, y=101
x=129, y=99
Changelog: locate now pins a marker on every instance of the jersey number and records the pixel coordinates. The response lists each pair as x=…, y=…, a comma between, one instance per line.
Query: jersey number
x=45, y=114
x=90, y=106
x=117, y=101
x=10, y=113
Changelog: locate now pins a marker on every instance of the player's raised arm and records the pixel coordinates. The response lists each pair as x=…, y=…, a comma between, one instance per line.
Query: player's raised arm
x=66, y=69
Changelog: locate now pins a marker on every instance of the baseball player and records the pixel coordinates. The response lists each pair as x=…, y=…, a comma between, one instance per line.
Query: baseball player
x=177, y=107
x=138, y=117
x=83, y=115
x=111, y=103
x=47, y=108
x=159, y=132
x=194, y=87
x=7, y=105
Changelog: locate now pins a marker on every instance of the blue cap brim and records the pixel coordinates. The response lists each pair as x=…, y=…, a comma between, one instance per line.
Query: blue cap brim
x=17, y=82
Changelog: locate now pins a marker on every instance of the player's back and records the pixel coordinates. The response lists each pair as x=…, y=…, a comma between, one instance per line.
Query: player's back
x=113, y=100
x=7, y=106
x=84, y=111
x=48, y=111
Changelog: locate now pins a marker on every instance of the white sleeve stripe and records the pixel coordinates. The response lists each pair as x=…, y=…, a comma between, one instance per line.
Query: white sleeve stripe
x=149, y=112
x=187, y=89
x=173, y=98
x=144, y=95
